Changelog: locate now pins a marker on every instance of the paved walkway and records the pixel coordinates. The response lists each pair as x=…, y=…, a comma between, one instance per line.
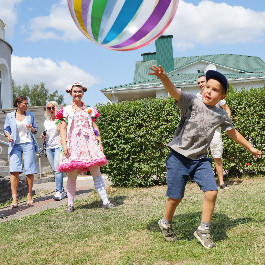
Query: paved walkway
x=44, y=199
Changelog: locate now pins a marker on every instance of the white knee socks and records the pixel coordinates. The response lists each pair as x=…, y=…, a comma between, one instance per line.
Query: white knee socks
x=100, y=187
x=71, y=188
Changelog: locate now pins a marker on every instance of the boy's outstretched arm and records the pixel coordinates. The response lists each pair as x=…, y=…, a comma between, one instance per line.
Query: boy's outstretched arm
x=169, y=86
x=239, y=138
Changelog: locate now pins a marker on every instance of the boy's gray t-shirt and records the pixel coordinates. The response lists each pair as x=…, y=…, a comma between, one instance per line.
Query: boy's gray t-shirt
x=197, y=125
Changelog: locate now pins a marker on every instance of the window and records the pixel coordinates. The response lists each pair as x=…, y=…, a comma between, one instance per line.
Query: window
x=200, y=71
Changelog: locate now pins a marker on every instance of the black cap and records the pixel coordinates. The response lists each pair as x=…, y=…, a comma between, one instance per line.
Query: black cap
x=211, y=74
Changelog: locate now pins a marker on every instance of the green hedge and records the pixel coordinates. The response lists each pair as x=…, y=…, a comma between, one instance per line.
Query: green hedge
x=248, y=116
x=135, y=135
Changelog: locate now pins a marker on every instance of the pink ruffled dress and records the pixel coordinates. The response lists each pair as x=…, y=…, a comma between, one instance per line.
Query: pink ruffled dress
x=83, y=146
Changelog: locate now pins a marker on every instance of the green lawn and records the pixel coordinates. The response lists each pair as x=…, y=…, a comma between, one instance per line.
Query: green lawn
x=129, y=234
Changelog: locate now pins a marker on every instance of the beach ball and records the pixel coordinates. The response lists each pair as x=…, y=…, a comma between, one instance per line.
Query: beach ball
x=122, y=25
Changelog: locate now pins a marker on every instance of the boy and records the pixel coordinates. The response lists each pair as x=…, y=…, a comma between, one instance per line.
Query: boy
x=216, y=145
x=188, y=157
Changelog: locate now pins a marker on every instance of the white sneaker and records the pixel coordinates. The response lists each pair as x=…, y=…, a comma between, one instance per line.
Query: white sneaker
x=167, y=231
x=109, y=205
x=63, y=195
x=59, y=195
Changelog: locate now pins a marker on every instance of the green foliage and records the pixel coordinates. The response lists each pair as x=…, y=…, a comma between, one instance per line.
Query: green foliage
x=38, y=95
x=56, y=97
x=248, y=116
x=19, y=91
x=135, y=135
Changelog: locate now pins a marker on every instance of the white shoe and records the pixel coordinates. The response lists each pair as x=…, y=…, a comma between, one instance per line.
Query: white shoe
x=63, y=195
x=59, y=195
x=109, y=205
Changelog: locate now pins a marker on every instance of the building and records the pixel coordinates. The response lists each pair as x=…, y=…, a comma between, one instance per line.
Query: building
x=240, y=70
x=6, y=93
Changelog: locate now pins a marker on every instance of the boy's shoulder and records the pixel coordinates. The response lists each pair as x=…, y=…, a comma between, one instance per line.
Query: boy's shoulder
x=185, y=97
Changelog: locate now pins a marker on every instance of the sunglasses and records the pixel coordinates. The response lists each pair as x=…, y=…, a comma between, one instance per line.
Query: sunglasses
x=50, y=108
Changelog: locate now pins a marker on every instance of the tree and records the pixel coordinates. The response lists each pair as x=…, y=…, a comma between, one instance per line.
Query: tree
x=18, y=91
x=56, y=97
x=38, y=95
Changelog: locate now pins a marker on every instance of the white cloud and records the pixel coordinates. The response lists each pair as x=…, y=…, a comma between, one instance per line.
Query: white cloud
x=9, y=15
x=56, y=76
x=210, y=22
x=57, y=25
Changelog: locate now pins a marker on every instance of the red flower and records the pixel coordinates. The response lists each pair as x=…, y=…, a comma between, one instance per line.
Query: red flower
x=59, y=114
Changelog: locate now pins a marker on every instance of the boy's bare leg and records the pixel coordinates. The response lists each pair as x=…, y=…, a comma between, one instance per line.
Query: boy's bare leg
x=165, y=223
x=208, y=205
x=171, y=206
x=219, y=169
x=203, y=231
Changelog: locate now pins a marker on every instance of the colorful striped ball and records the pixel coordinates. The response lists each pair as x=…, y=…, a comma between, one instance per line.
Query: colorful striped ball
x=122, y=25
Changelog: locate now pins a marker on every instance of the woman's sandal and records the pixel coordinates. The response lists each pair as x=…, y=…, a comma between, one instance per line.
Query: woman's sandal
x=29, y=201
x=15, y=202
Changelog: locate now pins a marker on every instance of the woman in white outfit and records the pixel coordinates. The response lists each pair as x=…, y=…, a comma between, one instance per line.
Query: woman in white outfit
x=53, y=147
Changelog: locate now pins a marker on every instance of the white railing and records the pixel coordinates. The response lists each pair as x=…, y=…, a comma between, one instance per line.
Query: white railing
x=5, y=143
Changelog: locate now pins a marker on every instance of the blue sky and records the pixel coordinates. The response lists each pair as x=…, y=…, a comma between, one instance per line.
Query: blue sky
x=49, y=48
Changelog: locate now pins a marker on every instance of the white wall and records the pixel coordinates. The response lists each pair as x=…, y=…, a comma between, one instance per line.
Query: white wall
x=248, y=85
x=161, y=93
x=193, y=68
x=6, y=85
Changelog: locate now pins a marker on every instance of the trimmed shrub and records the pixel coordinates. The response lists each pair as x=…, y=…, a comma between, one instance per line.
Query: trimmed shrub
x=248, y=116
x=135, y=136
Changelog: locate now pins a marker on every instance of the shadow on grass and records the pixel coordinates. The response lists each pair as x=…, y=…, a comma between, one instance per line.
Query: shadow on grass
x=184, y=225
x=230, y=182
x=117, y=201
x=6, y=212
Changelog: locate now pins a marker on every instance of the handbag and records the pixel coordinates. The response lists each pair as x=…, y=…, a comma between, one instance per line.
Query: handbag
x=42, y=151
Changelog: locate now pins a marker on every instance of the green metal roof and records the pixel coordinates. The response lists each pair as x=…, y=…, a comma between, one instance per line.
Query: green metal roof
x=178, y=79
x=241, y=63
x=246, y=66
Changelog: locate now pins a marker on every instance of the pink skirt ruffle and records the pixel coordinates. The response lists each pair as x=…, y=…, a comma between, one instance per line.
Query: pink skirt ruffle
x=81, y=166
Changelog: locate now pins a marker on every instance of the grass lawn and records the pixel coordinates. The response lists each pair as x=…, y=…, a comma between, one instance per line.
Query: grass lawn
x=129, y=234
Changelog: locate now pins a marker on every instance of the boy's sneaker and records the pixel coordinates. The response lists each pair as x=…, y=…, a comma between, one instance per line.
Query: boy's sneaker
x=109, y=205
x=60, y=195
x=167, y=231
x=70, y=209
x=204, y=237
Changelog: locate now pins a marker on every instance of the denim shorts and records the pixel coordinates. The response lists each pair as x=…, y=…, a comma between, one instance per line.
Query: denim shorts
x=29, y=159
x=180, y=168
